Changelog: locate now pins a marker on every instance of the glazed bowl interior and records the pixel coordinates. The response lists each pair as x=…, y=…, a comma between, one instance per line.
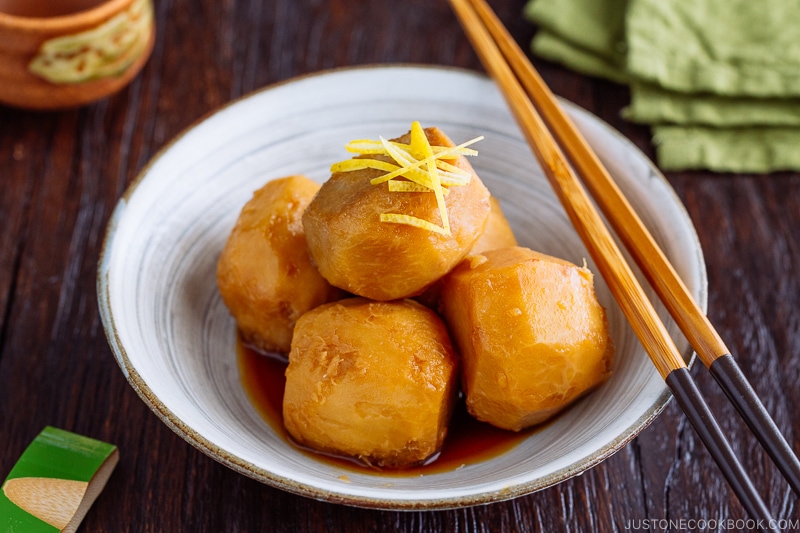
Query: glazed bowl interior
x=176, y=342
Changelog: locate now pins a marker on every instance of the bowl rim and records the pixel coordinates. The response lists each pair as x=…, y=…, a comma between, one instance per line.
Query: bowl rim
x=66, y=22
x=244, y=467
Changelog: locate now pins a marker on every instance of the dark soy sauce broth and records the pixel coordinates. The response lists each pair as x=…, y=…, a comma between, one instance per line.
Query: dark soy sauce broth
x=468, y=440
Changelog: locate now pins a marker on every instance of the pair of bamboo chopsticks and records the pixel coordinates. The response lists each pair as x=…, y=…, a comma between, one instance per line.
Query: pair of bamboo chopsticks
x=528, y=97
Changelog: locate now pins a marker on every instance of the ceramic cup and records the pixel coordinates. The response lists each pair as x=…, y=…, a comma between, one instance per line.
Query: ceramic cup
x=70, y=59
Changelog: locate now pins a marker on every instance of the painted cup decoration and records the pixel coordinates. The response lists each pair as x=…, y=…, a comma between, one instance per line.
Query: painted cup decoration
x=67, y=60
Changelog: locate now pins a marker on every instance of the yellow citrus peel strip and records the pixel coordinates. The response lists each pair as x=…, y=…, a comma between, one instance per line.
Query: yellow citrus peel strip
x=420, y=144
x=423, y=166
x=360, y=164
x=410, y=186
x=370, y=147
x=408, y=220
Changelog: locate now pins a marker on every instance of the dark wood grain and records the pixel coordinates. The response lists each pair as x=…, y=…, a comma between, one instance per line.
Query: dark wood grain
x=63, y=172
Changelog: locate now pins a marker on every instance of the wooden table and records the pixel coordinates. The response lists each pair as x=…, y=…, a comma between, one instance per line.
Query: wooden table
x=61, y=174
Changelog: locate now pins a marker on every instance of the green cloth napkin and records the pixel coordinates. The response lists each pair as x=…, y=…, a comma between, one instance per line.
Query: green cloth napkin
x=718, y=80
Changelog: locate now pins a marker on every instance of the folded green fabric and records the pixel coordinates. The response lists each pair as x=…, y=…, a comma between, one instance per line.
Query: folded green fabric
x=751, y=150
x=595, y=26
x=586, y=61
x=726, y=47
x=713, y=77
x=653, y=105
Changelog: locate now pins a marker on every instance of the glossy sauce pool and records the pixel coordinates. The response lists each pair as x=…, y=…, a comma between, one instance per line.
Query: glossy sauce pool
x=468, y=440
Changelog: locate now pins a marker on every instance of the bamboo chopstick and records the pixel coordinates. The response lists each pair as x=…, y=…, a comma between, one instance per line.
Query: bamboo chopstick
x=687, y=314
x=612, y=266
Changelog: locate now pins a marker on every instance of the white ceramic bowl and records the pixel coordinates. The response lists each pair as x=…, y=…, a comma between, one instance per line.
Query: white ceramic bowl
x=175, y=341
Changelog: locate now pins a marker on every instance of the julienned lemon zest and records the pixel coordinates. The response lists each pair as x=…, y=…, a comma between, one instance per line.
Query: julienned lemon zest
x=418, y=163
x=423, y=166
x=450, y=175
x=448, y=179
x=407, y=167
x=420, y=144
x=360, y=164
x=408, y=220
x=371, y=147
x=410, y=186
